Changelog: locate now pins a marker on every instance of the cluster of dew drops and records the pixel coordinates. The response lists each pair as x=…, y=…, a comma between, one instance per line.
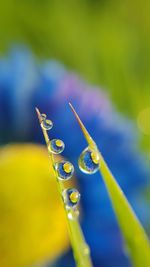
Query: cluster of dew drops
x=88, y=163
x=64, y=169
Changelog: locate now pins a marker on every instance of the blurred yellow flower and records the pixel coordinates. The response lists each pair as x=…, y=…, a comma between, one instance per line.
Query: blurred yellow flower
x=32, y=219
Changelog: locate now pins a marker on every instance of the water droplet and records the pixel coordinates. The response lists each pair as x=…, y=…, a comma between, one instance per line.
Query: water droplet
x=43, y=116
x=46, y=124
x=89, y=161
x=56, y=146
x=71, y=197
x=64, y=170
x=72, y=214
x=86, y=250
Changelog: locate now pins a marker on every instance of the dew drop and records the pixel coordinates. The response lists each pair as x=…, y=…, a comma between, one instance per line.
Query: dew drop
x=43, y=116
x=71, y=197
x=46, y=124
x=86, y=250
x=64, y=170
x=56, y=146
x=89, y=161
x=72, y=214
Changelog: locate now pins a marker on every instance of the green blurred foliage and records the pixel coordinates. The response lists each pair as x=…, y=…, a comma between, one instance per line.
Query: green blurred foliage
x=106, y=42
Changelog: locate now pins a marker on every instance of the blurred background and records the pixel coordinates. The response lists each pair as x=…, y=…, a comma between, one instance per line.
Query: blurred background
x=106, y=42
x=86, y=51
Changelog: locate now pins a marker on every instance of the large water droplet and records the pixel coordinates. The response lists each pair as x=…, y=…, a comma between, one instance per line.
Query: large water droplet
x=71, y=197
x=89, y=161
x=46, y=124
x=64, y=170
x=56, y=146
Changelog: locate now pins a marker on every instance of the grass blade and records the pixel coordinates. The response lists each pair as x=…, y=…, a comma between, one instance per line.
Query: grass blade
x=136, y=241
x=81, y=250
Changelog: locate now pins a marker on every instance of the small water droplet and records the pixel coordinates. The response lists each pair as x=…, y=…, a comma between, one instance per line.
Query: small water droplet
x=43, y=116
x=46, y=124
x=56, y=146
x=89, y=161
x=71, y=197
x=64, y=170
x=70, y=215
x=73, y=214
x=86, y=250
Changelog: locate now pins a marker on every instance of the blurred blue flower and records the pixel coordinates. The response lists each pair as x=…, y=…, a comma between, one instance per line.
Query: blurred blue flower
x=26, y=83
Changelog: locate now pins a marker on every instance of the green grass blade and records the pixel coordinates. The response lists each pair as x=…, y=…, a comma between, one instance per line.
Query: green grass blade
x=81, y=250
x=136, y=241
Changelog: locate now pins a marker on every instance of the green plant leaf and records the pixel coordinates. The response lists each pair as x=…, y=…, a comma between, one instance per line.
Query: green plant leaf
x=136, y=241
x=80, y=248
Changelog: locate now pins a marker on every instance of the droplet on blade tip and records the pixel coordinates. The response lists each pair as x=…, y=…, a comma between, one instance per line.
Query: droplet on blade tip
x=46, y=124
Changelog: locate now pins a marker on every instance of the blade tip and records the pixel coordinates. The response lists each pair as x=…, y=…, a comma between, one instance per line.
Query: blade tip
x=71, y=106
x=38, y=112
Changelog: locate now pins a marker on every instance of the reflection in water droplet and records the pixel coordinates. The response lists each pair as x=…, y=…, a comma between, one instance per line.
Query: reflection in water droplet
x=64, y=170
x=46, y=124
x=89, y=161
x=56, y=146
x=71, y=197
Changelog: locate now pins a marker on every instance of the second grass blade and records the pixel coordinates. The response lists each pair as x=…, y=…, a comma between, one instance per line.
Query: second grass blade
x=136, y=241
